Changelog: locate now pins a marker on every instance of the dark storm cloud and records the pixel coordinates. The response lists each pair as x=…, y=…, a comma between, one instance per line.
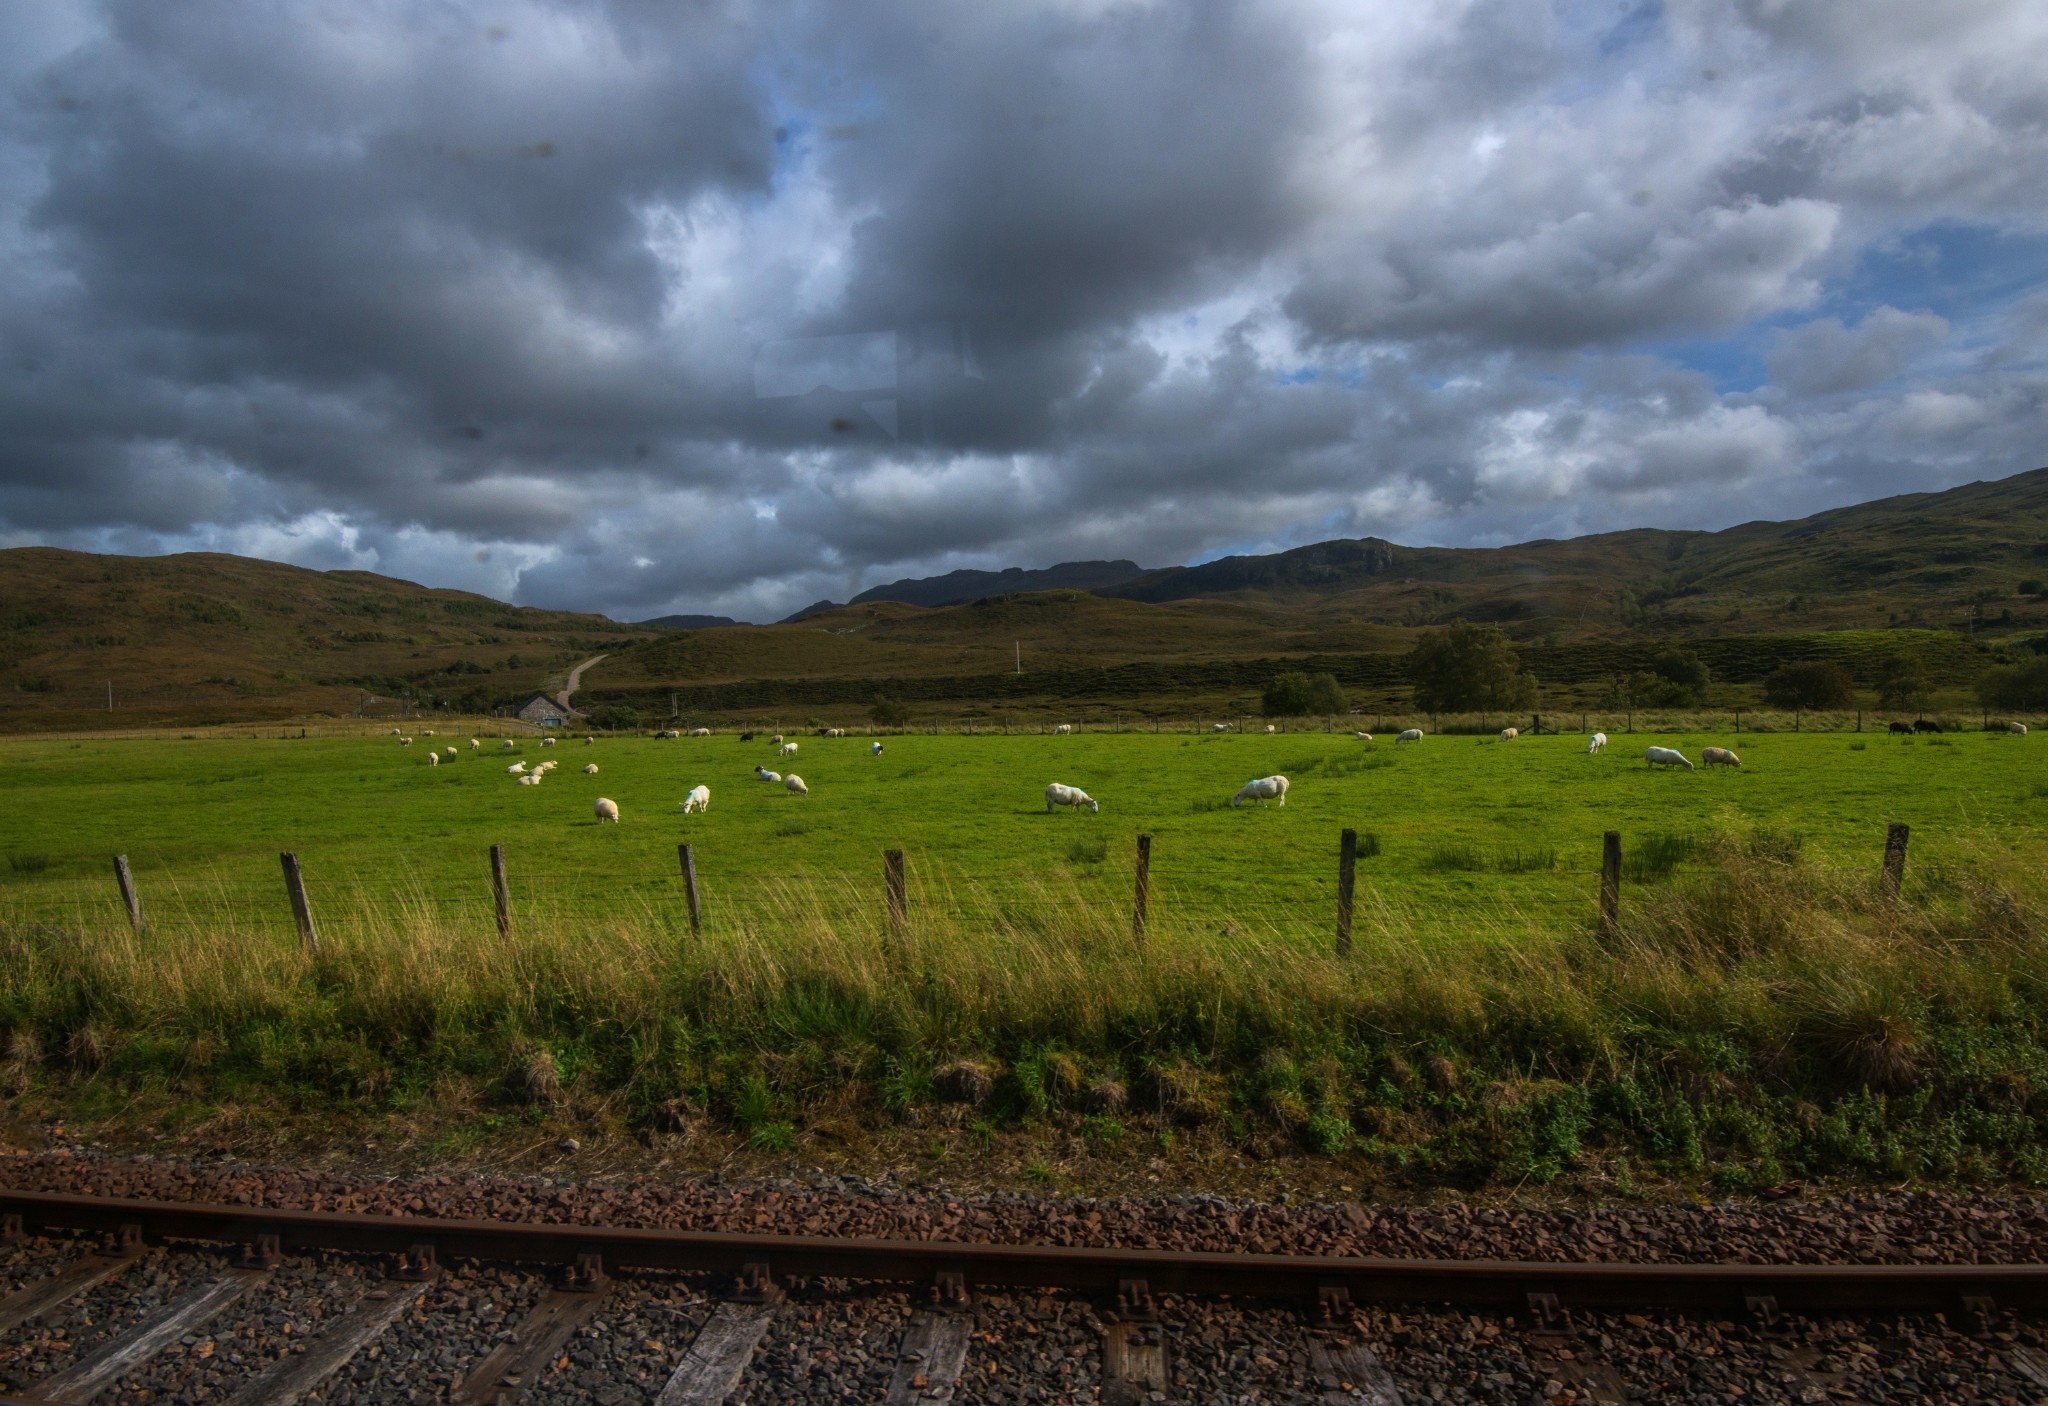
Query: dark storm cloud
x=479, y=294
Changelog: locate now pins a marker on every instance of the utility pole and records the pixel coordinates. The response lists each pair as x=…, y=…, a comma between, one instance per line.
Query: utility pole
x=110, y=695
x=1020, y=656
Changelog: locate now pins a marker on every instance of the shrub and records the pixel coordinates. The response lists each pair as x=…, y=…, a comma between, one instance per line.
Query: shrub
x=889, y=712
x=1299, y=694
x=1468, y=668
x=1812, y=685
x=1901, y=680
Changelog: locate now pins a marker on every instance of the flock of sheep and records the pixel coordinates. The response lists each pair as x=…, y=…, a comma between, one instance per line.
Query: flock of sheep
x=1057, y=794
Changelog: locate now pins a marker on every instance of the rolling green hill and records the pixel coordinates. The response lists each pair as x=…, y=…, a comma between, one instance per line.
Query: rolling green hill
x=203, y=637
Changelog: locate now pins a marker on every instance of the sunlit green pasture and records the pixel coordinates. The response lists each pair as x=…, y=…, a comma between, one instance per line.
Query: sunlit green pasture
x=1470, y=833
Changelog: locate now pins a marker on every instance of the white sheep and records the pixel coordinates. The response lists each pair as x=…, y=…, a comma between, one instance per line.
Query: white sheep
x=606, y=810
x=433, y=759
x=700, y=732
x=1271, y=727
x=529, y=780
x=787, y=749
x=1219, y=727
x=1058, y=795
x=2016, y=729
x=590, y=741
x=590, y=769
x=506, y=743
x=794, y=784
x=763, y=774
x=1720, y=756
x=405, y=742
x=1363, y=736
x=776, y=739
x=547, y=742
x=874, y=749
x=1595, y=743
x=515, y=769
x=474, y=744
x=1063, y=729
x=1665, y=756
x=699, y=798
x=426, y=732
x=835, y=732
x=1509, y=734
x=545, y=767
x=1413, y=734
x=397, y=731
x=1262, y=789
x=451, y=751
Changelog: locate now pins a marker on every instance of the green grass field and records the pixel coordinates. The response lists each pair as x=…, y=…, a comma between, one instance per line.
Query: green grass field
x=1471, y=834
x=1763, y=1010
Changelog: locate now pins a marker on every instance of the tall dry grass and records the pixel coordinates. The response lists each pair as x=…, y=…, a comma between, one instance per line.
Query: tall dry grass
x=1753, y=974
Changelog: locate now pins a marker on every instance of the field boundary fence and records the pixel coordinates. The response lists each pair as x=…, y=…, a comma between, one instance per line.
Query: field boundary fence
x=1328, y=899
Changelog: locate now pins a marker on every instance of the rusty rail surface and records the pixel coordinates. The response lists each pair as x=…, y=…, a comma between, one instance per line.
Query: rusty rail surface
x=1720, y=1288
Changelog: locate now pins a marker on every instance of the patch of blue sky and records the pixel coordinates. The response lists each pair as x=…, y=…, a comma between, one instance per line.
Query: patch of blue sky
x=1303, y=376
x=1957, y=270
x=1734, y=364
x=1639, y=25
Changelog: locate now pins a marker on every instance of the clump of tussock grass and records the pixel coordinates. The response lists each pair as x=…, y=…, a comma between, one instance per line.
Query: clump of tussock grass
x=1447, y=857
x=1525, y=859
x=28, y=862
x=1088, y=851
x=1656, y=855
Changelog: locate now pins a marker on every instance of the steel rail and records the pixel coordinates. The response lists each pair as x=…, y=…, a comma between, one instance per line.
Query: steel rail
x=1720, y=1288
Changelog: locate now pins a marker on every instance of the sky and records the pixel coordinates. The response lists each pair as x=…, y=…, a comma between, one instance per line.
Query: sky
x=687, y=305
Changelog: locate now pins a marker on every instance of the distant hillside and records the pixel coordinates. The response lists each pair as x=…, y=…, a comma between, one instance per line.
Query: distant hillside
x=686, y=622
x=204, y=636
x=965, y=587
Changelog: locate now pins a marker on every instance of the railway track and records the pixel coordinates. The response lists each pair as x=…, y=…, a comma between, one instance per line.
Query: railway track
x=116, y=1300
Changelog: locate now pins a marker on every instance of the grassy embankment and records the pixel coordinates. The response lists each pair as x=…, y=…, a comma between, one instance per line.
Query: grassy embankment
x=1763, y=1011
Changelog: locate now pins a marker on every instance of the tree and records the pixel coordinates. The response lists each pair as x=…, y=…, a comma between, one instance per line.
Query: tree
x=1812, y=685
x=1676, y=678
x=889, y=712
x=2016, y=686
x=1901, y=681
x=615, y=717
x=1468, y=667
x=1299, y=694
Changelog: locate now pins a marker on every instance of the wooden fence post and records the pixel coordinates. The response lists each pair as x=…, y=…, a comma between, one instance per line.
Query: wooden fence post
x=899, y=900
x=128, y=896
x=1347, y=872
x=1143, y=891
x=1610, y=881
x=501, y=894
x=295, y=886
x=689, y=860
x=1894, y=859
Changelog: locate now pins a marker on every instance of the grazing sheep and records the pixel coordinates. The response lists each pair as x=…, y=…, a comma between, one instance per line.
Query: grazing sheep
x=1262, y=789
x=451, y=751
x=1219, y=727
x=746, y=737
x=606, y=810
x=776, y=739
x=794, y=784
x=1595, y=743
x=1058, y=795
x=474, y=744
x=835, y=732
x=699, y=798
x=506, y=743
x=590, y=770
x=761, y=773
x=1062, y=729
x=1509, y=734
x=2016, y=729
x=787, y=749
x=397, y=731
x=547, y=742
x=433, y=759
x=1665, y=756
x=590, y=741
x=426, y=732
x=700, y=732
x=875, y=749
x=405, y=742
x=1720, y=756
x=1906, y=728
x=1413, y=734
x=515, y=769
x=1271, y=727
x=668, y=732
x=1923, y=725
x=1363, y=736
